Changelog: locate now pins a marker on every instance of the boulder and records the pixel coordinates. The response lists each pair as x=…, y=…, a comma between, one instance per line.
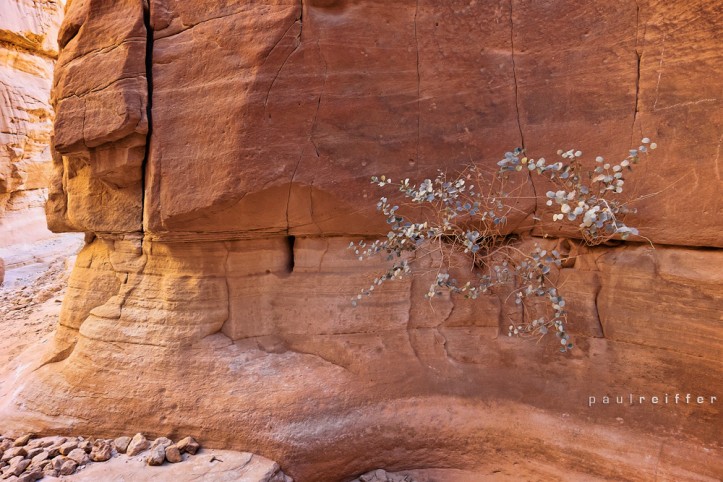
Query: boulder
x=138, y=444
x=121, y=444
x=101, y=451
x=173, y=454
x=188, y=445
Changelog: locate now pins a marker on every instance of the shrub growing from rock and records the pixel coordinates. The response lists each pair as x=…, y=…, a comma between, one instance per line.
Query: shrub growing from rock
x=468, y=213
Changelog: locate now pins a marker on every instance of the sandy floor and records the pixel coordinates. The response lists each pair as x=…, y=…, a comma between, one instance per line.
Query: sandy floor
x=30, y=297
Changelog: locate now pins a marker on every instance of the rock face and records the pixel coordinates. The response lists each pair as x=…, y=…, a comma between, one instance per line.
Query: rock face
x=27, y=52
x=220, y=154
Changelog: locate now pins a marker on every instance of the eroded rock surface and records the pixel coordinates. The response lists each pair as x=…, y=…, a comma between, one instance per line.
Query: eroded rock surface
x=220, y=155
x=27, y=54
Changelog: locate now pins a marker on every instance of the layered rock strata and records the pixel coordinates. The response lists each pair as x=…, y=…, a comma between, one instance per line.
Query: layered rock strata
x=27, y=53
x=220, y=155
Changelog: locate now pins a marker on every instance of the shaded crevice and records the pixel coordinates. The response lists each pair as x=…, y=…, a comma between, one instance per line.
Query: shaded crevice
x=638, y=58
x=597, y=311
x=637, y=96
x=149, y=102
x=290, y=244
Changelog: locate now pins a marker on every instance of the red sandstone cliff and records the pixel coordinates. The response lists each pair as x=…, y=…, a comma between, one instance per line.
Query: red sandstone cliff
x=220, y=153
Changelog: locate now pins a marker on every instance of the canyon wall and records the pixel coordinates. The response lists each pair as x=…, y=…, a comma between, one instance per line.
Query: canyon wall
x=218, y=155
x=28, y=49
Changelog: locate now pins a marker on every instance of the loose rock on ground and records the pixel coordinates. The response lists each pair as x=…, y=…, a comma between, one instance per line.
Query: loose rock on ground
x=29, y=459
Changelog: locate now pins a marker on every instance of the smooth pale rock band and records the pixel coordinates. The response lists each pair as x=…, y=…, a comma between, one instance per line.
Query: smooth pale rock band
x=655, y=400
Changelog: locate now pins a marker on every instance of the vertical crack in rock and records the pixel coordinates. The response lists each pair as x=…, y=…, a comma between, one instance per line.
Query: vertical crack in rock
x=638, y=58
x=283, y=64
x=637, y=95
x=291, y=243
x=514, y=77
x=291, y=185
x=419, y=84
x=517, y=109
x=637, y=71
x=149, y=81
x=597, y=311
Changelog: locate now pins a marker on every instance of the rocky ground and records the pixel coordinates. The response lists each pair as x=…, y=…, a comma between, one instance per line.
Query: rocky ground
x=27, y=459
x=32, y=291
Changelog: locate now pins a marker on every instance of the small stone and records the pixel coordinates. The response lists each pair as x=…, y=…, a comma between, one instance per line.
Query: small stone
x=32, y=475
x=68, y=467
x=22, y=440
x=137, y=445
x=121, y=444
x=13, y=452
x=54, y=450
x=58, y=461
x=17, y=466
x=188, y=445
x=41, y=456
x=69, y=446
x=50, y=471
x=173, y=455
x=5, y=444
x=33, y=452
x=156, y=455
x=79, y=456
x=86, y=445
x=101, y=452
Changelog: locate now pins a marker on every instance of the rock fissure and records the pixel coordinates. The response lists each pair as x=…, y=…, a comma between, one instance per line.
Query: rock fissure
x=419, y=86
x=291, y=186
x=149, y=113
x=514, y=76
x=190, y=26
x=281, y=67
x=636, y=108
